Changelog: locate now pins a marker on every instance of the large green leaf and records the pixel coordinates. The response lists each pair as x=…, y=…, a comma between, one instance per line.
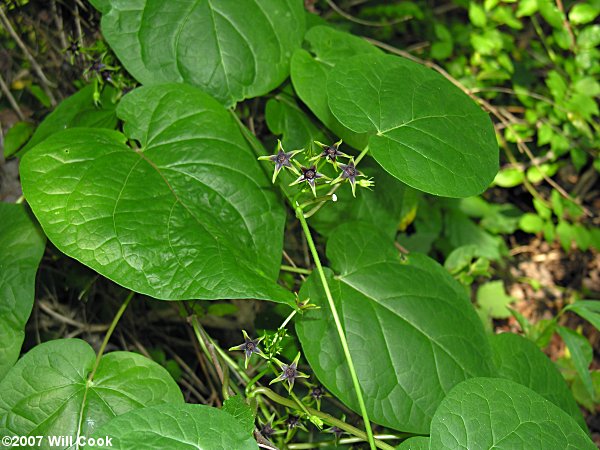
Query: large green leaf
x=188, y=215
x=176, y=427
x=237, y=407
x=21, y=249
x=309, y=71
x=518, y=359
x=384, y=207
x=415, y=443
x=424, y=130
x=400, y=320
x=231, y=49
x=503, y=415
x=48, y=393
x=78, y=110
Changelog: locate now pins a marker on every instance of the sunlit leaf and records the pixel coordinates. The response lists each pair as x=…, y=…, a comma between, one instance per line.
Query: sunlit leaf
x=400, y=321
x=176, y=427
x=233, y=50
x=188, y=215
x=424, y=130
x=504, y=415
x=48, y=392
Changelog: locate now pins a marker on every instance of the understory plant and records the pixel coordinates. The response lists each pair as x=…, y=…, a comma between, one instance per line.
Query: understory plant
x=167, y=191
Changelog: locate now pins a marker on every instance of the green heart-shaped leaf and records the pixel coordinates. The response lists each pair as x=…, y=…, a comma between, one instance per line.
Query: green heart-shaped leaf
x=78, y=110
x=231, y=49
x=188, y=215
x=400, y=319
x=21, y=248
x=518, y=359
x=309, y=71
x=176, y=427
x=237, y=407
x=415, y=443
x=424, y=130
x=48, y=393
x=504, y=415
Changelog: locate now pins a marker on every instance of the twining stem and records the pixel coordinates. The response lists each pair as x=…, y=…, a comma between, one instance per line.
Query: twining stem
x=109, y=333
x=205, y=340
x=90, y=379
x=338, y=325
x=295, y=269
x=335, y=443
x=330, y=420
x=257, y=147
x=292, y=314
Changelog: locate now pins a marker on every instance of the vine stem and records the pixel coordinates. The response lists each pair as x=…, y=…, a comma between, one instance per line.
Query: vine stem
x=257, y=147
x=338, y=325
x=109, y=333
x=295, y=269
x=323, y=416
x=90, y=379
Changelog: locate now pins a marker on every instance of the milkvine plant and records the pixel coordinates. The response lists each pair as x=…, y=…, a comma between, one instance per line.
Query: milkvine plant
x=165, y=191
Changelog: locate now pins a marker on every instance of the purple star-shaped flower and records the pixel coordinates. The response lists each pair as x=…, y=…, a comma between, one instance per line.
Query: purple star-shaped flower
x=338, y=432
x=249, y=347
x=330, y=152
x=281, y=159
x=350, y=173
x=310, y=175
x=97, y=66
x=317, y=394
x=289, y=373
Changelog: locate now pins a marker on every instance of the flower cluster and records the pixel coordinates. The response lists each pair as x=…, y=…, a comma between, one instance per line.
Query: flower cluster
x=309, y=173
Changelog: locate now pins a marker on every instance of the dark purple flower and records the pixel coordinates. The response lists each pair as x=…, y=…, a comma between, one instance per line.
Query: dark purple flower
x=330, y=152
x=281, y=159
x=289, y=373
x=349, y=172
x=335, y=430
x=267, y=430
x=106, y=75
x=73, y=47
x=249, y=347
x=317, y=392
x=310, y=175
x=292, y=421
x=97, y=66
